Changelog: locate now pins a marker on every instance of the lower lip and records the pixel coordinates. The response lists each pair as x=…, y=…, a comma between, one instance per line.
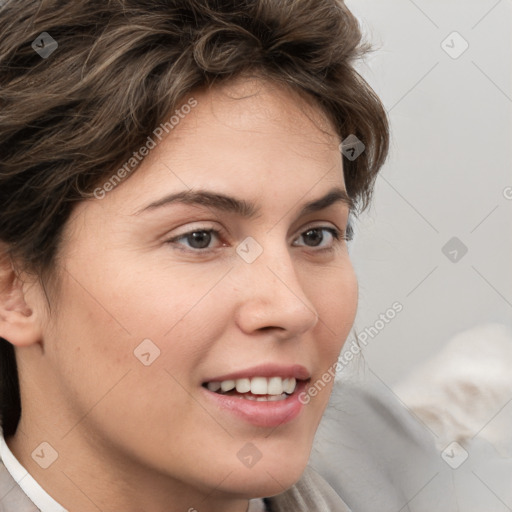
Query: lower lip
x=261, y=414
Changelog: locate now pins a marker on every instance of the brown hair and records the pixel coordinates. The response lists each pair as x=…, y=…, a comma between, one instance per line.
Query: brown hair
x=71, y=116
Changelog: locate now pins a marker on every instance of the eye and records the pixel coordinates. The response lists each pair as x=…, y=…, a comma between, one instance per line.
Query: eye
x=315, y=237
x=198, y=240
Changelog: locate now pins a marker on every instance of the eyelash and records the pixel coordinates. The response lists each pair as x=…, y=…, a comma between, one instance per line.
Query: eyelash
x=339, y=237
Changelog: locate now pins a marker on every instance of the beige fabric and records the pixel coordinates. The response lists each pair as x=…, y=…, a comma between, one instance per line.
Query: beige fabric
x=12, y=497
x=311, y=494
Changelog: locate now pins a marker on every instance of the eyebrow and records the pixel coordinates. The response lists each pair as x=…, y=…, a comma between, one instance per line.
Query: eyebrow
x=242, y=207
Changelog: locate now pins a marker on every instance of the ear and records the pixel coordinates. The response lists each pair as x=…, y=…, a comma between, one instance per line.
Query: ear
x=19, y=324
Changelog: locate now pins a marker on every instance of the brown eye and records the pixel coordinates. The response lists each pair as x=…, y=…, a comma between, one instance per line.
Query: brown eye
x=198, y=239
x=314, y=237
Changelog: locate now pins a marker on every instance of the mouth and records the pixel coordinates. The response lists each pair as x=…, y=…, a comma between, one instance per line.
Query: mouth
x=265, y=396
x=259, y=389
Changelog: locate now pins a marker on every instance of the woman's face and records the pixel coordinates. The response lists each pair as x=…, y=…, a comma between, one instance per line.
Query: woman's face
x=154, y=308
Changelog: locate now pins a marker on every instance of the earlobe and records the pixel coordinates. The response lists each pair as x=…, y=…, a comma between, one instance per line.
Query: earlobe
x=18, y=321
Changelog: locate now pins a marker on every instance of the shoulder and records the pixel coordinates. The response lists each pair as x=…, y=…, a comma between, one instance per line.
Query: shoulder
x=371, y=449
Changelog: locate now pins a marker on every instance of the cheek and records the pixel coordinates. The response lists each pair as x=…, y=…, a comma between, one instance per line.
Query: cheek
x=103, y=330
x=159, y=301
x=336, y=300
x=100, y=369
x=89, y=344
x=335, y=297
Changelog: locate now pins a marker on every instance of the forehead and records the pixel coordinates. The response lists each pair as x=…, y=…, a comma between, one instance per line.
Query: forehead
x=249, y=138
x=249, y=120
x=244, y=101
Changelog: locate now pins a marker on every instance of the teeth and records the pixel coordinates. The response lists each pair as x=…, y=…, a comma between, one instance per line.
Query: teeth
x=213, y=386
x=243, y=385
x=289, y=385
x=271, y=398
x=273, y=386
x=259, y=386
x=227, y=385
x=268, y=398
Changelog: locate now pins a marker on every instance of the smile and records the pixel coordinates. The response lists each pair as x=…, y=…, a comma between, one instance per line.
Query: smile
x=260, y=389
x=265, y=396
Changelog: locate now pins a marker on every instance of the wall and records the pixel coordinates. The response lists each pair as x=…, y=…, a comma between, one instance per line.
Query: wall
x=448, y=177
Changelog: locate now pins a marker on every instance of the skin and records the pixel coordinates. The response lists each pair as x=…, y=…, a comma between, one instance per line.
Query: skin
x=133, y=437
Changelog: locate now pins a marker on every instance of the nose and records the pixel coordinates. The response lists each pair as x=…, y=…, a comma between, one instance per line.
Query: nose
x=272, y=296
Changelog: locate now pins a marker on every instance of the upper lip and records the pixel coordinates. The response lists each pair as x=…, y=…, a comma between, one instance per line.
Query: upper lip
x=297, y=371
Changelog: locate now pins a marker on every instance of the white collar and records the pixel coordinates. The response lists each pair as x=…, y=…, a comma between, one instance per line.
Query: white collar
x=256, y=505
x=39, y=497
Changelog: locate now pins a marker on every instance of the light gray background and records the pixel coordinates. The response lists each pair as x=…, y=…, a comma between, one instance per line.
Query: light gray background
x=450, y=162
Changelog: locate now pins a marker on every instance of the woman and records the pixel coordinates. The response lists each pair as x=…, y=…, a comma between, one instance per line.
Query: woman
x=174, y=271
